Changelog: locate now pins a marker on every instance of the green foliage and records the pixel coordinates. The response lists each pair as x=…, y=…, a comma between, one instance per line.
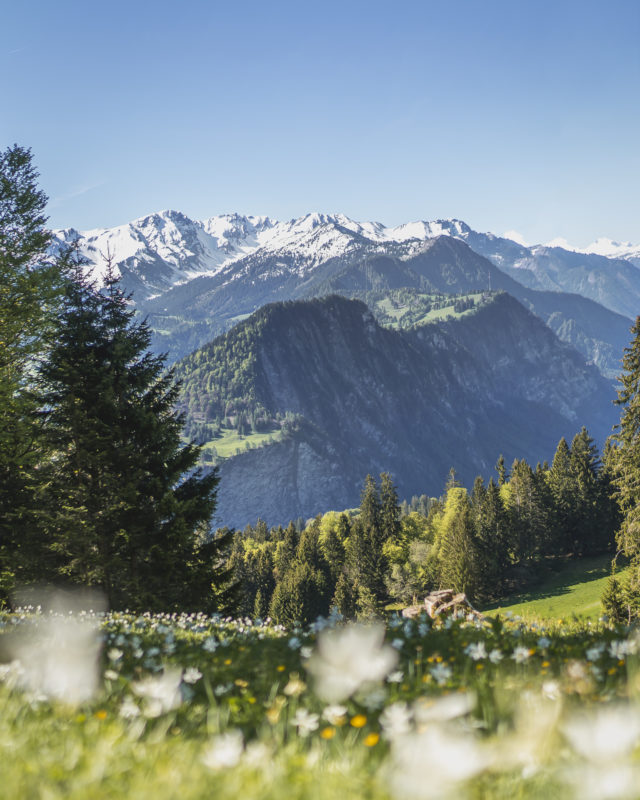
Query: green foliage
x=122, y=507
x=626, y=438
x=613, y=601
x=410, y=308
x=30, y=284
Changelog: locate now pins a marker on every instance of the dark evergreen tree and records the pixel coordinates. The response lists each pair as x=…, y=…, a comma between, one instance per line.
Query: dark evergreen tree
x=125, y=509
x=562, y=490
x=367, y=540
x=491, y=528
x=300, y=597
x=458, y=552
x=389, y=508
x=614, y=601
x=592, y=537
x=286, y=550
x=346, y=597
x=501, y=469
x=30, y=284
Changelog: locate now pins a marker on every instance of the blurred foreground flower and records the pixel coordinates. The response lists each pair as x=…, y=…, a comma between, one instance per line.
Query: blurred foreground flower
x=606, y=739
x=434, y=763
x=224, y=751
x=59, y=659
x=348, y=658
x=161, y=693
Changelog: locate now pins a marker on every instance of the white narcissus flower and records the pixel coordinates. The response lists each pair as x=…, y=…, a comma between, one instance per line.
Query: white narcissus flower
x=114, y=654
x=495, y=656
x=594, y=653
x=476, y=651
x=191, y=675
x=305, y=721
x=396, y=720
x=434, y=763
x=444, y=709
x=334, y=714
x=521, y=654
x=224, y=751
x=347, y=658
x=606, y=735
x=161, y=693
x=441, y=673
x=210, y=645
x=60, y=662
x=129, y=709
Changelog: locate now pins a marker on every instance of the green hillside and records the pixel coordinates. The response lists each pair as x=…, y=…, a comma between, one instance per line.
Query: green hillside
x=575, y=589
x=410, y=308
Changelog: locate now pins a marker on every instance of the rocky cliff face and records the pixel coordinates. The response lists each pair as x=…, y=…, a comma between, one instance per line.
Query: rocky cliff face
x=411, y=403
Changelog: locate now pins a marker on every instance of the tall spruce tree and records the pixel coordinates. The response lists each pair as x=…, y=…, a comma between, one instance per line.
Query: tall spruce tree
x=593, y=534
x=626, y=460
x=562, y=491
x=125, y=509
x=30, y=283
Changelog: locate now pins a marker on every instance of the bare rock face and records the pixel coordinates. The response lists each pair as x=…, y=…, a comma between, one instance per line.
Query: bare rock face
x=442, y=602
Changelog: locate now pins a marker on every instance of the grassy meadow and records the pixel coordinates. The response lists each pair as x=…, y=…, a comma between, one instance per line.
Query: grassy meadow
x=178, y=706
x=571, y=590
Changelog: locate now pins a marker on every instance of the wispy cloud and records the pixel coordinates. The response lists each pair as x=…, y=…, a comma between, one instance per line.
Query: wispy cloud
x=78, y=191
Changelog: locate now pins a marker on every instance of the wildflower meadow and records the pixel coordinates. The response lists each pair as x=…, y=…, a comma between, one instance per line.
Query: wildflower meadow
x=190, y=706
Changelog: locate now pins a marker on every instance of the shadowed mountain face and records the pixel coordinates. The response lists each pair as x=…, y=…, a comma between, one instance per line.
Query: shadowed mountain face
x=413, y=403
x=189, y=315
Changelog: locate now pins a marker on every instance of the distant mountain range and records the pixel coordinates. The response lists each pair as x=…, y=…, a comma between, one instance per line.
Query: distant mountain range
x=366, y=399
x=502, y=349
x=157, y=252
x=195, y=279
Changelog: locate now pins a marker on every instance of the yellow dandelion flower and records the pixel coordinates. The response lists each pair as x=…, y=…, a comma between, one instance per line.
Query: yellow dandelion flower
x=371, y=739
x=227, y=662
x=241, y=683
x=281, y=667
x=102, y=714
x=327, y=733
x=359, y=721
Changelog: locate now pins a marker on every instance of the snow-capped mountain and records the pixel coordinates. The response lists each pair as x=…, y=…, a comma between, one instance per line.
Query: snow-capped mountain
x=167, y=248
x=160, y=251
x=604, y=247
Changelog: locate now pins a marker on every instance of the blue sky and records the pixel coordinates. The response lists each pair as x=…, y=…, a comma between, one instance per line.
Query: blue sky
x=518, y=115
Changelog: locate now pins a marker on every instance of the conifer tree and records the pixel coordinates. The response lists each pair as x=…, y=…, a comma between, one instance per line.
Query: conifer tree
x=501, y=469
x=562, y=491
x=125, y=509
x=491, y=538
x=458, y=561
x=30, y=284
x=625, y=459
x=585, y=468
x=626, y=437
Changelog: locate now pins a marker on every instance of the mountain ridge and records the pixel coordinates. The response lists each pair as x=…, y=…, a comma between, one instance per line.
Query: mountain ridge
x=370, y=399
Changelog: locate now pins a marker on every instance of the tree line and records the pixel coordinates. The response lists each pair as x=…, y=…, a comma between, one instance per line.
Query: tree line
x=484, y=542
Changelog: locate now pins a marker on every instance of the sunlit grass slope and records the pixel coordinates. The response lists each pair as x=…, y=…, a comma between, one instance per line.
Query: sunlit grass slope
x=575, y=589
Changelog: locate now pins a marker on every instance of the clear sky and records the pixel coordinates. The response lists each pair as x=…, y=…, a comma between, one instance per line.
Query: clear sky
x=509, y=114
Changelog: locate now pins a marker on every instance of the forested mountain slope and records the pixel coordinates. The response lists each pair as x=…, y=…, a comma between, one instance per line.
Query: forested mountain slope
x=191, y=314
x=369, y=399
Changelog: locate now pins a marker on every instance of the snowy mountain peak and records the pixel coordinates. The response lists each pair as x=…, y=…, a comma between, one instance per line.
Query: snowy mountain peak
x=161, y=250
x=608, y=247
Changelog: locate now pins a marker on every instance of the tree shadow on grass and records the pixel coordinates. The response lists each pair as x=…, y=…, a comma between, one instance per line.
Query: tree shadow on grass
x=559, y=581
